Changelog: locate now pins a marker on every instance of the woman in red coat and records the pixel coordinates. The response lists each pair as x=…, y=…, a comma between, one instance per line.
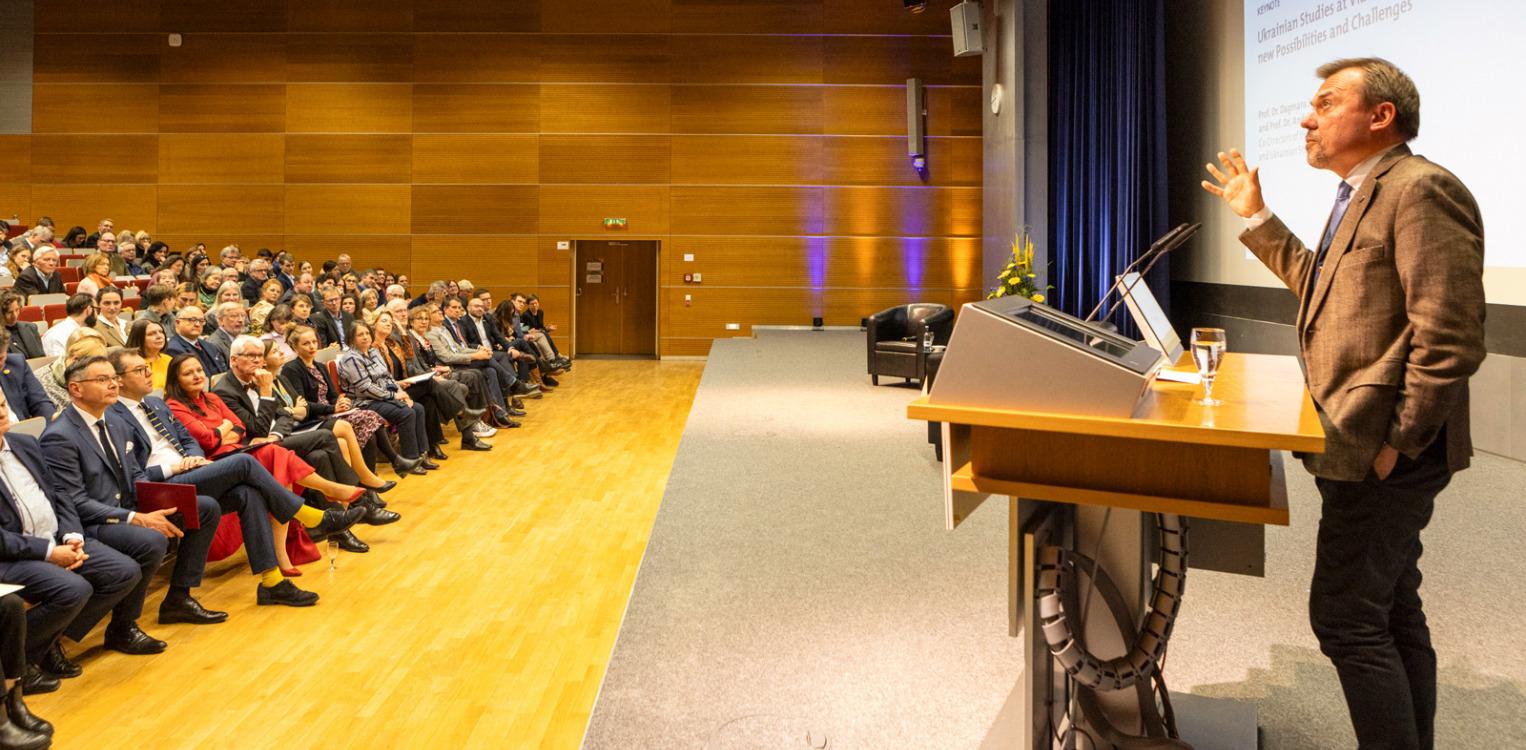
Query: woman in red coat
x=219, y=432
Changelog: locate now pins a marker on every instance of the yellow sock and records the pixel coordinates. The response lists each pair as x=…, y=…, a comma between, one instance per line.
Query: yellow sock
x=310, y=516
x=271, y=577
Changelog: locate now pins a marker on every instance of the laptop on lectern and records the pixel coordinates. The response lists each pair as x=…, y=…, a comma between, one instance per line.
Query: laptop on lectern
x=1151, y=319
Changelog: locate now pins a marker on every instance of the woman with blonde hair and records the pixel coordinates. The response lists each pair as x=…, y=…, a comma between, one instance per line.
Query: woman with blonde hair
x=84, y=342
x=19, y=260
x=97, y=274
x=270, y=295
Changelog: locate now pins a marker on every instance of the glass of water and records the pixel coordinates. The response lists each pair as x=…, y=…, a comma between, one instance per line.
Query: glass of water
x=333, y=545
x=1208, y=347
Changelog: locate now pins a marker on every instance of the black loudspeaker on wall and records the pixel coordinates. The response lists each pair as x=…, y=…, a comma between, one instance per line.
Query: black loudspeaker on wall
x=965, y=19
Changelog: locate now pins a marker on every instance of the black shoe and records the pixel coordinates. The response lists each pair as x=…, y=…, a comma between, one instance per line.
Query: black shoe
x=511, y=424
x=429, y=465
x=21, y=716
x=403, y=466
x=335, y=521
x=351, y=543
x=387, y=485
x=15, y=737
x=55, y=663
x=285, y=593
x=188, y=610
x=421, y=470
x=377, y=517
x=553, y=382
x=37, y=681
x=469, y=442
x=517, y=412
x=436, y=454
x=515, y=403
x=130, y=639
x=471, y=415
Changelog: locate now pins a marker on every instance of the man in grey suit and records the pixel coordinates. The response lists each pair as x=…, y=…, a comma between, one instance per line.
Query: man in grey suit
x=232, y=318
x=1390, y=327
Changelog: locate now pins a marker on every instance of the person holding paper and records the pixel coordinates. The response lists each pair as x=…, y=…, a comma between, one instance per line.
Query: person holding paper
x=1390, y=327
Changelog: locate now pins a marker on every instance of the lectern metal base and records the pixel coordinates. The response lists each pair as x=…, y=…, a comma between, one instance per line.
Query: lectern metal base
x=1215, y=723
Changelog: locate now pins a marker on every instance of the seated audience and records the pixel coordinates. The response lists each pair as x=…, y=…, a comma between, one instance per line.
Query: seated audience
x=168, y=453
x=24, y=337
x=84, y=342
x=270, y=294
x=159, y=305
x=232, y=322
x=19, y=259
x=442, y=397
x=310, y=381
x=364, y=377
x=332, y=322
x=20, y=729
x=534, y=320
x=23, y=391
x=70, y=581
x=189, y=322
x=42, y=276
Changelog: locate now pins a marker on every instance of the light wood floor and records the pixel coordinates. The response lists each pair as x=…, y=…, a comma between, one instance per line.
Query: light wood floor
x=485, y=618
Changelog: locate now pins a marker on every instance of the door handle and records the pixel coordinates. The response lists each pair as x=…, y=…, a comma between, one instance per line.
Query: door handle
x=579, y=292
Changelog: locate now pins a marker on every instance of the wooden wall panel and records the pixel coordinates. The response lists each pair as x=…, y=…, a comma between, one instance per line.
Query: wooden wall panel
x=476, y=58
x=884, y=59
x=763, y=16
x=627, y=159
x=349, y=108
x=350, y=15
x=217, y=58
x=556, y=302
x=221, y=108
x=883, y=161
x=747, y=210
x=347, y=209
x=474, y=209
x=605, y=59
x=348, y=158
x=95, y=158
x=746, y=160
x=901, y=212
x=130, y=205
x=224, y=15
x=501, y=263
x=248, y=241
x=747, y=109
x=824, y=262
x=236, y=158
x=594, y=108
x=881, y=110
x=115, y=58
x=17, y=199
x=16, y=159
x=632, y=16
x=67, y=108
x=391, y=251
x=857, y=17
x=580, y=210
x=476, y=159
x=476, y=16
x=685, y=347
x=554, y=267
x=476, y=108
x=372, y=58
x=220, y=209
x=748, y=59
x=69, y=16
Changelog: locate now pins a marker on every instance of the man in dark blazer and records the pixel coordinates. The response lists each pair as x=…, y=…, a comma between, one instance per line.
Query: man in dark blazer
x=24, y=337
x=72, y=581
x=42, y=276
x=1390, y=327
x=249, y=391
x=168, y=453
x=332, y=323
x=90, y=463
x=23, y=391
x=189, y=322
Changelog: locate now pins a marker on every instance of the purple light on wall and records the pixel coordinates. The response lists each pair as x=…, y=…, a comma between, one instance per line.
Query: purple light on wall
x=913, y=258
x=816, y=269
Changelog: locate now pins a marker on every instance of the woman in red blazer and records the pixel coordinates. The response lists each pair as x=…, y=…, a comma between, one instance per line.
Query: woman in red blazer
x=219, y=432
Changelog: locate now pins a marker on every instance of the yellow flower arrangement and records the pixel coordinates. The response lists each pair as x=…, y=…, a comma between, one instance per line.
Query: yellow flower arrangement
x=1019, y=277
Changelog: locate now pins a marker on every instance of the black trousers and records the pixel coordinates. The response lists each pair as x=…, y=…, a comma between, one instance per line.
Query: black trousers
x=74, y=599
x=241, y=485
x=13, y=636
x=1364, y=602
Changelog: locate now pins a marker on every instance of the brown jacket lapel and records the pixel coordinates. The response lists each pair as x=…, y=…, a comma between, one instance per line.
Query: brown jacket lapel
x=1347, y=231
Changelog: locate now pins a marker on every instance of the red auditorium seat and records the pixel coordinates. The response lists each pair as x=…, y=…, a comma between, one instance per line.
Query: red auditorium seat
x=54, y=313
x=31, y=313
x=70, y=287
x=68, y=274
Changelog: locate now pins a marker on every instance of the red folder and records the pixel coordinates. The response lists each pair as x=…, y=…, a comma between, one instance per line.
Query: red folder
x=160, y=495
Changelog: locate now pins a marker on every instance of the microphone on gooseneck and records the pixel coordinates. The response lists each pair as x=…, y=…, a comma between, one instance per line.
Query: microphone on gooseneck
x=1169, y=239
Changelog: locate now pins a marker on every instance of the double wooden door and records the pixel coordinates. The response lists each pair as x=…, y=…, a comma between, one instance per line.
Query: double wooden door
x=617, y=297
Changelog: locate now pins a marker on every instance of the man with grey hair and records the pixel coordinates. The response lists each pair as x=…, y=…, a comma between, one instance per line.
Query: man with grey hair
x=396, y=291
x=303, y=285
x=41, y=277
x=232, y=320
x=105, y=226
x=435, y=293
x=259, y=273
x=1390, y=327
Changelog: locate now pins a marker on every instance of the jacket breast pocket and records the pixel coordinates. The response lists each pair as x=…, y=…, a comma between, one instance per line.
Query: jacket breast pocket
x=1367, y=254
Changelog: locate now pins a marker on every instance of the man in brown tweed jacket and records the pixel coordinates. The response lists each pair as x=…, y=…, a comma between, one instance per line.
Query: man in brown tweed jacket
x=1390, y=326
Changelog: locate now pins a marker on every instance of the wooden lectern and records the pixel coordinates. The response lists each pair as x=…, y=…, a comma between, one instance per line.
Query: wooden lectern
x=1086, y=481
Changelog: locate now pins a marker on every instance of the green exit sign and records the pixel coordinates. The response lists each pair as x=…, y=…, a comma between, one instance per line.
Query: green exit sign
x=614, y=223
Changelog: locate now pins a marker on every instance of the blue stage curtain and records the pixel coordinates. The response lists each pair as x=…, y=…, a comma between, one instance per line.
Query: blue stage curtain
x=1107, y=143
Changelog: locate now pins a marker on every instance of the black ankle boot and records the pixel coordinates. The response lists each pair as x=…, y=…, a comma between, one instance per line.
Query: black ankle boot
x=22, y=716
x=13, y=736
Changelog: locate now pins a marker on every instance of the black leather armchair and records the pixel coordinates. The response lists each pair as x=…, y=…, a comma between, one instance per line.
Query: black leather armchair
x=895, y=339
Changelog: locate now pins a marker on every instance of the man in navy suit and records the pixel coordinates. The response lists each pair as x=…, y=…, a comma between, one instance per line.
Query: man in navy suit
x=332, y=323
x=23, y=391
x=189, y=322
x=168, y=453
x=90, y=466
x=72, y=581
